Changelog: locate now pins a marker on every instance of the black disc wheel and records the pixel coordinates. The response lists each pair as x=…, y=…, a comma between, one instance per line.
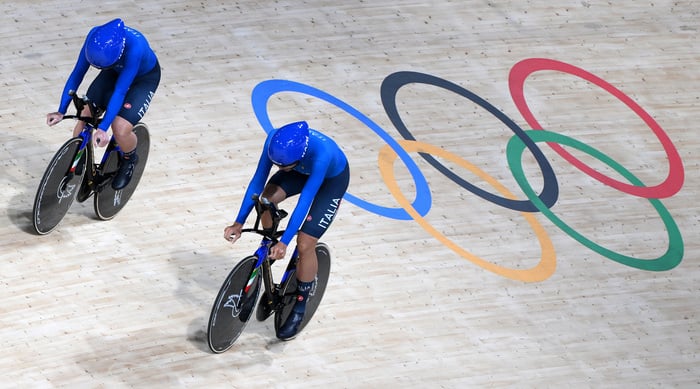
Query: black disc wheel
x=108, y=202
x=58, y=187
x=233, y=306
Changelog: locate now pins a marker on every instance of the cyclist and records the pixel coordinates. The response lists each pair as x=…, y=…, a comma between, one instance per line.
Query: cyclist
x=309, y=164
x=128, y=79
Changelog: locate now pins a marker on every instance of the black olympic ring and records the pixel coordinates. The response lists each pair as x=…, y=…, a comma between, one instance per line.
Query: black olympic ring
x=390, y=87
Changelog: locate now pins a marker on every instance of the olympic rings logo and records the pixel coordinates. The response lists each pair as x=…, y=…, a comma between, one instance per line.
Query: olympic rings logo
x=542, y=202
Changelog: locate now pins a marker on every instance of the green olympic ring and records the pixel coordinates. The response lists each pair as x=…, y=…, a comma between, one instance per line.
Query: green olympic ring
x=670, y=259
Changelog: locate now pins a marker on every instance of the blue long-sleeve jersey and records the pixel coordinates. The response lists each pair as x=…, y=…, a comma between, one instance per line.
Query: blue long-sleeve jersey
x=323, y=159
x=138, y=59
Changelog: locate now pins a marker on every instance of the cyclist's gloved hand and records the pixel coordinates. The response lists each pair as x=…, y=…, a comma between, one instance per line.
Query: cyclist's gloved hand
x=53, y=118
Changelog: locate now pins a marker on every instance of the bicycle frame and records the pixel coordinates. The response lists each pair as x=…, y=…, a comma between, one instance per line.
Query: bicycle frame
x=265, y=263
x=77, y=171
x=240, y=292
x=269, y=239
x=91, y=123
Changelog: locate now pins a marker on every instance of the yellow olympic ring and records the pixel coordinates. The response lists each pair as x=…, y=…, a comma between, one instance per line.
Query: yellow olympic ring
x=543, y=270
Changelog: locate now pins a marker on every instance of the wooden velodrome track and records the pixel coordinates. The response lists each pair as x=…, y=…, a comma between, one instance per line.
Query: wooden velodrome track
x=472, y=294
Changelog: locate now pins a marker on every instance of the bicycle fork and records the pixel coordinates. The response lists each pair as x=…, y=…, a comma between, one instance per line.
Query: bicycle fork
x=76, y=167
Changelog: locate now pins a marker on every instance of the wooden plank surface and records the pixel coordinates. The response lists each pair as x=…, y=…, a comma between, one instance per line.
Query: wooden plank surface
x=124, y=303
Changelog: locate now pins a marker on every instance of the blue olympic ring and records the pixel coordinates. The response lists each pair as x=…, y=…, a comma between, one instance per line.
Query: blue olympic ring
x=423, y=201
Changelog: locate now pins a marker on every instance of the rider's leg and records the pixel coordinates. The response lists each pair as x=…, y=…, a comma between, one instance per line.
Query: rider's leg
x=124, y=134
x=136, y=102
x=126, y=139
x=321, y=215
x=307, y=267
x=275, y=194
x=80, y=125
x=306, y=244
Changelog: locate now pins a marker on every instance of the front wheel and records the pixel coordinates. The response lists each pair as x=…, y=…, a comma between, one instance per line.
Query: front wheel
x=289, y=289
x=234, y=305
x=109, y=202
x=58, y=187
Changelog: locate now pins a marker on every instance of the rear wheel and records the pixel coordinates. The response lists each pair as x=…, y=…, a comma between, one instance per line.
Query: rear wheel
x=58, y=187
x=233, y=306
x=289, y=288
x=109, y=202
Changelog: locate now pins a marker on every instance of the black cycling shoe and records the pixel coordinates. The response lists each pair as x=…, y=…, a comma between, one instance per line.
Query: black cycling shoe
x=126, y=170
x=290, y=327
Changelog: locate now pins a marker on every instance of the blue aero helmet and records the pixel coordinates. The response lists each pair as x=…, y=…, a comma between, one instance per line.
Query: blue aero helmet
x=105, y=44
x=288, y=144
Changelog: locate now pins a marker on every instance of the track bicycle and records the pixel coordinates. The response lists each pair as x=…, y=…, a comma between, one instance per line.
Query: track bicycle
x=239, y=293
x=73, y=173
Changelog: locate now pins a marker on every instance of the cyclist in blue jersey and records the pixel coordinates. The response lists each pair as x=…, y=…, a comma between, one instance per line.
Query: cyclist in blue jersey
x=128, y=79
x=309, y=164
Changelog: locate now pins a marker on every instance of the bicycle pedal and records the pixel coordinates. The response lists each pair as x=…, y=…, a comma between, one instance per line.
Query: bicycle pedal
x=101, y=180
x=85, y=192
x=264, y=309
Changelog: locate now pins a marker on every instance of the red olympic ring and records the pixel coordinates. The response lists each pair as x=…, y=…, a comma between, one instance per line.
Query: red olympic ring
x=675, y=178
